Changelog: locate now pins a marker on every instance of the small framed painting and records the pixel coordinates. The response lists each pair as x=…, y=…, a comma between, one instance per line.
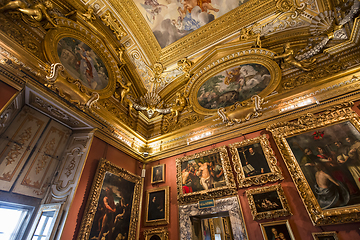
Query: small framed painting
x=204, y=175
x=277, y=230
x=158, y=173
x=157, y=206
x=268, y=202
x=254, y=162
x=325, y=236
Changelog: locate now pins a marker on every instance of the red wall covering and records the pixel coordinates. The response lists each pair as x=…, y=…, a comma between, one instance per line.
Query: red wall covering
x=99, y=149
x=6, y=92
x=300, y=222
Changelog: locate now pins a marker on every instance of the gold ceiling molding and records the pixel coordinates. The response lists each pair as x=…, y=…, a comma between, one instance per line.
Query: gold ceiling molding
x=114, y=25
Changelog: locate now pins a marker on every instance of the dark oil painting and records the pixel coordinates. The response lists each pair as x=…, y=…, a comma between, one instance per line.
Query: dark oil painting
x=278, y=231
x=233, y=85
x=329, y=158
x=156, y=206
x=268, y=201
x=112, y=217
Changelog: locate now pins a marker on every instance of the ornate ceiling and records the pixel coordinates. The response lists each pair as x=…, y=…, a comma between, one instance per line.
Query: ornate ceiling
x=161, y=76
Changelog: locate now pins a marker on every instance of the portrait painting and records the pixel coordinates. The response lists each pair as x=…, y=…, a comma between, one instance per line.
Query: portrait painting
x=233, y=85
x=277, y=230
x=207, y=171
x=113, y=205
x=158, y=173
x=82, y=63
x=268, y=202
x=322, y=152
x=157, y=206
x=171, y=20
x=325, y=236
x=254, y=162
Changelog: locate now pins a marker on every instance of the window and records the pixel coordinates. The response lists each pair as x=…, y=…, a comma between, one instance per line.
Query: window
x=13, y=220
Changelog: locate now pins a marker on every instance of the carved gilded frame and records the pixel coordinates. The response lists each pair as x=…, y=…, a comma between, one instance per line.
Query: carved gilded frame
x=161, y=221
x=228, y=189
x=310, y=122
x=273, y=225
x=320, y=235
x=68, y=28
x=285, y=211
x=92, y=204
x=213, y=66
x=153, y=174
x=162, y=233
x=275, y=172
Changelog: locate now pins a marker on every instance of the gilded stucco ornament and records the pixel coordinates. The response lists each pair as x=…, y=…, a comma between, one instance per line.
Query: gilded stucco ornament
x=34, y=15
x=185, y=65
x=180, y=104
x=324, y=24
x=246, y=115
x=288, y=57
x=291, y=6
x=88, y=16
x=114, y=25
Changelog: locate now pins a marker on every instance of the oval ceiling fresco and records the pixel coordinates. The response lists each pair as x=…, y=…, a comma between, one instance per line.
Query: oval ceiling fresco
x=82, y=63
x=233, y=85
x=171, y=20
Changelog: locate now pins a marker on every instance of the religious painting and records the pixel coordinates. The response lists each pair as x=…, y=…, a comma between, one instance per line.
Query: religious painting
x=325, y=236
x=322, y=153
x=277, y=230
x=82, y=63
x=268, y=202
x=171, y=20
x=254, y=162
x=233, y=85
x=157, y=206
x=158, y=173
x=204, y=174
x=112, y=210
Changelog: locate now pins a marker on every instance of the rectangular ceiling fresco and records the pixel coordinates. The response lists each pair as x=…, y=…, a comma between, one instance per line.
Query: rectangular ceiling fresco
x=171, y=20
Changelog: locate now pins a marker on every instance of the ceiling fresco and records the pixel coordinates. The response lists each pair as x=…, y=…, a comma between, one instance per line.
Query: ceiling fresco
x=171, y=20
x=233, y=85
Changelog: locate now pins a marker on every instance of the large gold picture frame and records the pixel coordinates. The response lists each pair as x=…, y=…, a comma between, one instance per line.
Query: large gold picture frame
x=268, y=202
x=327, y=182
x=121, y=190
x=254, y=162
x=157, y=206
x=204, y=175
